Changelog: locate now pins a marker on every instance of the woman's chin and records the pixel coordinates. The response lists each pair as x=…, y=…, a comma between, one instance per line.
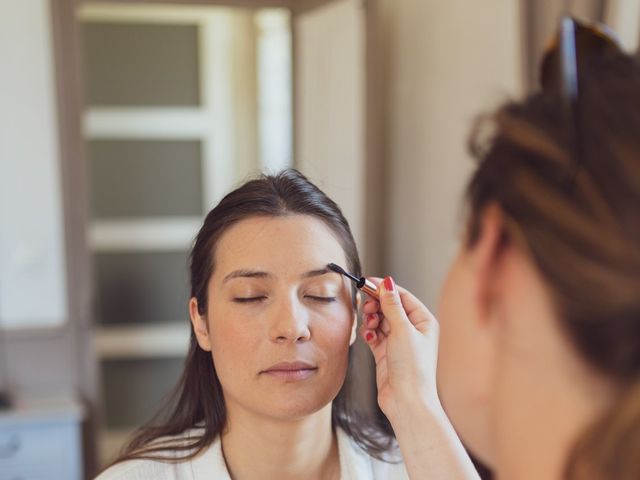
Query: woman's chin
x=282, y=400
x=293, y=405
x=293, y=408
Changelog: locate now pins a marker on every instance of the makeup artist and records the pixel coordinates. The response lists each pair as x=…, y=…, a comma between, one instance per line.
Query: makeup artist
x=538, y=340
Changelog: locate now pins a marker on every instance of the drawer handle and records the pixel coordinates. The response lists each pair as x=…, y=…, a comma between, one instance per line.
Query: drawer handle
x=10, y=448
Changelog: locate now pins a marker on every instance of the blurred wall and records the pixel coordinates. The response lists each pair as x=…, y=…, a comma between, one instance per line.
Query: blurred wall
x=329, y=107
x=447, y=62
x=43, y=350
x=43, y=220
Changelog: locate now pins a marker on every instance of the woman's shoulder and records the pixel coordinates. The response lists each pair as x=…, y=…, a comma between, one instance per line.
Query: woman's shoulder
x=143, y=469
x=170, y=466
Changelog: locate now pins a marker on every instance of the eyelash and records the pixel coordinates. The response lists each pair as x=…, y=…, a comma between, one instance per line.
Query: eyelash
x=248, y=299
x=258, y=299
x=322, y=299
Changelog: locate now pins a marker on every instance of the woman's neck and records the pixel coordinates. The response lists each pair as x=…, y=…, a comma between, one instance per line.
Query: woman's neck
x=257, y=447
x=541, y=445
x=544, y=394
x=550, y=404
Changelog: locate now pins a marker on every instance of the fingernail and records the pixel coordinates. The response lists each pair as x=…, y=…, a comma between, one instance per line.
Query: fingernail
x=369, y=336
x=370, y=318
x=389, y=286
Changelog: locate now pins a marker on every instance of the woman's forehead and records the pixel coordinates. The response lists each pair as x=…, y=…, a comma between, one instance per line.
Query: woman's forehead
x=291, y=244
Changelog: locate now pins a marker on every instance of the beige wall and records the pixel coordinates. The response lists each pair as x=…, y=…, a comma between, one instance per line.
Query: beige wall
x=329, y=104
x=624, y=17
x=448, y=61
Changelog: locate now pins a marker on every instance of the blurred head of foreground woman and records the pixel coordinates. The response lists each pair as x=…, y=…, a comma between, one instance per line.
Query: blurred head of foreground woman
x=539, y=364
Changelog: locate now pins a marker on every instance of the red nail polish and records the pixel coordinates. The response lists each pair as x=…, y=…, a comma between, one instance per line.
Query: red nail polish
x=369, y=336
x=370, y=318
x=389, y=285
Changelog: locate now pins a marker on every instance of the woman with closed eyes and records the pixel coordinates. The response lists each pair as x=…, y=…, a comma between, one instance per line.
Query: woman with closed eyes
x=263, y=393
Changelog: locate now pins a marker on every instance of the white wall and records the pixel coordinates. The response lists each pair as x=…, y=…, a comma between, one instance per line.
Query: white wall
x=448, y=61
x=32, y=258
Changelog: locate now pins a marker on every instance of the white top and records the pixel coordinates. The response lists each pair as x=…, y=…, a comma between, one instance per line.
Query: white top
x=355, y=464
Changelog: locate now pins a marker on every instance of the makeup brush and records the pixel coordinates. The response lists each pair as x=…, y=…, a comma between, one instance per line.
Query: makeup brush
x=361, y=283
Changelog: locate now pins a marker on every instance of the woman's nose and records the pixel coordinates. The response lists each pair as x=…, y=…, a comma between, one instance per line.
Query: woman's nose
x=289, y=322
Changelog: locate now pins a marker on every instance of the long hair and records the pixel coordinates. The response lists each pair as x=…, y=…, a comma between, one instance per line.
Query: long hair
x=197, y=401
x=580, y=220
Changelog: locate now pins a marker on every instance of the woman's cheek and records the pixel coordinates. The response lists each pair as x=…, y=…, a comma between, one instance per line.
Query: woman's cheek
x=336, y=333
x=232, y=335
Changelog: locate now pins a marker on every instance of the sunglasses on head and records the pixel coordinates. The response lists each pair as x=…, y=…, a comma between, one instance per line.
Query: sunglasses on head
x=575, y=44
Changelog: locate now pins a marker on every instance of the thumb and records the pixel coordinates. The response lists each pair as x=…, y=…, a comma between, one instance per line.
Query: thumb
x=391, y=304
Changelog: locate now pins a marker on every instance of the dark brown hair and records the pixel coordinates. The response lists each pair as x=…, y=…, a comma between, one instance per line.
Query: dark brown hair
x=197, y=400
x=579, y=218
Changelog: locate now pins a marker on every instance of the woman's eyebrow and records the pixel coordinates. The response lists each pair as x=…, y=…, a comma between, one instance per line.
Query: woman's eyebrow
x=243, y=273
x=315, y=273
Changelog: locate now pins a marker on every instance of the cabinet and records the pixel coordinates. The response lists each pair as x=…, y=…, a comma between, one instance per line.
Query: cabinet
x=41, y=441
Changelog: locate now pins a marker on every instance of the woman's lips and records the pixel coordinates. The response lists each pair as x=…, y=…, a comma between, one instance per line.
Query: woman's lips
x=290, y=371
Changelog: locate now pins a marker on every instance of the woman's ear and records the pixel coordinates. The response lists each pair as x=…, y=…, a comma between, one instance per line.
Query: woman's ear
x=486, y=254
x=200, y=326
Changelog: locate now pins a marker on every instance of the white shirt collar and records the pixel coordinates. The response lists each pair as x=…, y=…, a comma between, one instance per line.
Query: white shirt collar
x=354, y=462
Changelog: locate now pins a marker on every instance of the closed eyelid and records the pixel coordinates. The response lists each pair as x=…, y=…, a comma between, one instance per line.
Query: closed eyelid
x=323, y=288
x=321, y=298
x=249, y=298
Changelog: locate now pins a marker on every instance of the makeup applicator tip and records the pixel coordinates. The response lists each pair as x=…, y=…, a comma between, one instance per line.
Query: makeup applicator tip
x=336, y=268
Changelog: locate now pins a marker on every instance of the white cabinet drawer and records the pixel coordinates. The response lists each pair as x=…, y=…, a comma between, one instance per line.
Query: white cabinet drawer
x=40, y=450
x=35, y=473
